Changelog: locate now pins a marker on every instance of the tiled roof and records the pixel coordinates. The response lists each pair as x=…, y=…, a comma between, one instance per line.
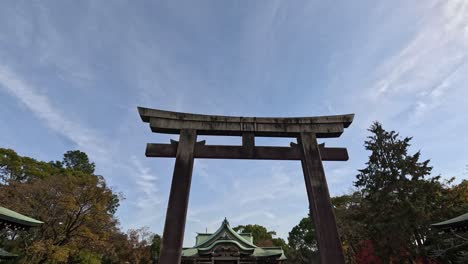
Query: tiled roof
x=226, y=235
x=11, y=217
x=459, y=221
x=6, y=255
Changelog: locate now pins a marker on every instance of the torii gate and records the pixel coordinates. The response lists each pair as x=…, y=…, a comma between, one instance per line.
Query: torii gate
x=305, y=129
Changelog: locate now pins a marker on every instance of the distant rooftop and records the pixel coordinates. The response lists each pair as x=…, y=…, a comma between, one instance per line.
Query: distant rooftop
x=226, y=238
x=10, y=218
x=456, y=222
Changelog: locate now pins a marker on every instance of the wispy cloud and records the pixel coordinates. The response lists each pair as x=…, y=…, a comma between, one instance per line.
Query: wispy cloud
x=248, y=216
x=88, y=140
x=278, y=185
x=146, y=182
x=423, y=68
x=260, y=195
x=41, y=106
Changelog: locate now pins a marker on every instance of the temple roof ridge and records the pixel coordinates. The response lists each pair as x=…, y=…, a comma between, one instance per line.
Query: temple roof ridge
x=228, y=230
x=206, y=244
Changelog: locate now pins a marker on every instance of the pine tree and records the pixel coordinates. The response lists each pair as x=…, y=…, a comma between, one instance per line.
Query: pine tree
x=397, y=191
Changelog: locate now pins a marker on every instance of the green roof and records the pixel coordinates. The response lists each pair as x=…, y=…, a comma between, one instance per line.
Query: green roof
x=270, y=251
x=226, y=235
x=247, y=236
x=11, y=217
x=6, y=255
x=227, y=231
x=459, y=221
x=189, y=252
x=201, y=238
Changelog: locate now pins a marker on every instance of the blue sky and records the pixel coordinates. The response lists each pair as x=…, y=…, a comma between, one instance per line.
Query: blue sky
x=73, y=72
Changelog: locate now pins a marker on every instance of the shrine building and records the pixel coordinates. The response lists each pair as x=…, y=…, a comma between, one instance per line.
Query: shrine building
x=14, y=221
x=226, y=246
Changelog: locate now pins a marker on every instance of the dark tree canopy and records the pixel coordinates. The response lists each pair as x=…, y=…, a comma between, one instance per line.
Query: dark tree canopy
x=261, y=235
x=400, y=198
x=14, y=167
x=78, y=160
x=389, y=163
x=155, y=247
x=303, y=242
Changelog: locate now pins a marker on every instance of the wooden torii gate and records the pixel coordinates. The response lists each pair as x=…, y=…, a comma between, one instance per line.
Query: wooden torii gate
x=305, y=129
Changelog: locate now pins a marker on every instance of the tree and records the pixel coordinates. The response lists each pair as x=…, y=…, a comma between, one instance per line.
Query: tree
x=353, y=234
x=15, y=168
x=77, y=160
x=279, y=242
x=120, y=249
x=451, y=245
x=261, y=236
x=77, y=208
x=140, y=240
x=76, y=211
x=303, y=243
x=398, y=194
x=155, y=247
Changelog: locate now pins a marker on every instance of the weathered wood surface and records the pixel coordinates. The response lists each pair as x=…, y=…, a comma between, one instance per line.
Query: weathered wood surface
x=248, y=144
x=320, y=206
x=239, y=152
x=174, y=227
x=172, y=122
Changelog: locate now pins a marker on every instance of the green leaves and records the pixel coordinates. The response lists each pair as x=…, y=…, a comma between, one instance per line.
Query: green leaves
x=399, y=197
x=261, y=236
x=76, y=206
x=302, y=242
x=21, y=169
x=77, y=160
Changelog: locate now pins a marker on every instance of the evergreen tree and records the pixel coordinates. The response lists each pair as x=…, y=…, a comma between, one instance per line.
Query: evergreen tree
x=261, y=235
x=398, y=196
x=77, y=160
x=155, y=248
x=303, y=243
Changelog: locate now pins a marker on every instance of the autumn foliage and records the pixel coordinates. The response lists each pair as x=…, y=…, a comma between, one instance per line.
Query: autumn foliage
x=77, y=208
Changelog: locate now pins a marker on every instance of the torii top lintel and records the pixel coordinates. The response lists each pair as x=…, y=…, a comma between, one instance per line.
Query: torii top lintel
x=173, y=122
